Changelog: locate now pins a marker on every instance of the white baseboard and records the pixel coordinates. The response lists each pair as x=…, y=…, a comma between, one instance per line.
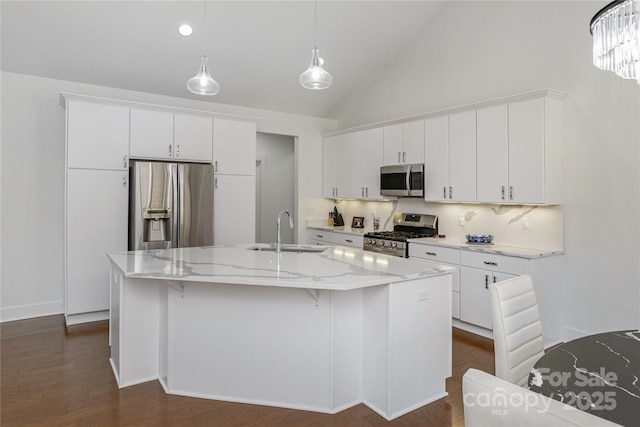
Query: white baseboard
x=74, y=319
x=8, y=314
x=472, y=328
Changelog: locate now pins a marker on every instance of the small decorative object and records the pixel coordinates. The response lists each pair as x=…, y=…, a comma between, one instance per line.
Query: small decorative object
x=357, y=222
x=376, y=223
x=479, y=238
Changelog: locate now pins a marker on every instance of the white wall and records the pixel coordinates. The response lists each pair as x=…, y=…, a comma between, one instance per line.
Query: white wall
x=33, y=178
x=480, y=50
x=277, y=187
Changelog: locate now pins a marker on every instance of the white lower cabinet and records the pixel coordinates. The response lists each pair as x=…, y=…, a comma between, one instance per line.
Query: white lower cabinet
x=348, y=239
x=445, y=256
x=96, y=223
x=477, y=270
x=319, y=237
x=234, y=209
x=475, y=307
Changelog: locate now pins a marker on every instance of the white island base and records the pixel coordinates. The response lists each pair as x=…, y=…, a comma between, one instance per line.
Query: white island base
x=385, y=345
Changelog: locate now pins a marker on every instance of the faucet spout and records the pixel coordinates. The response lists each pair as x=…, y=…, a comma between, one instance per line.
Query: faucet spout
x=278, y=243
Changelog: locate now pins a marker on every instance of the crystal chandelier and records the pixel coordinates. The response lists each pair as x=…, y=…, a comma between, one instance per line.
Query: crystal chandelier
x=315, y=77
x=616, y=38
x=203, y=83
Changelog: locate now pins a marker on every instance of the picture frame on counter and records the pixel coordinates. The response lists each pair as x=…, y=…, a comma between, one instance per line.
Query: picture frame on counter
x=357, y=222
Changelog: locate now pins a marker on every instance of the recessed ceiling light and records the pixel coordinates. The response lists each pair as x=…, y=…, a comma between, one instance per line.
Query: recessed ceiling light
x=185, y=30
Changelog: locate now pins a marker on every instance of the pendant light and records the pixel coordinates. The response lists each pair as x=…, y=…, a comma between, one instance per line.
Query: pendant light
x=315, y=77
x=616, y=38
x=203, y=83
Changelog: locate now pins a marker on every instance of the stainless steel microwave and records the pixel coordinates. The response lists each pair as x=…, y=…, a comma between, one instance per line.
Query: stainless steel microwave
x=402, y=180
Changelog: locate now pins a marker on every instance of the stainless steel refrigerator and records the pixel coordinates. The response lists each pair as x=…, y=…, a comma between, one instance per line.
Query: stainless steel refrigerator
x=170, y=205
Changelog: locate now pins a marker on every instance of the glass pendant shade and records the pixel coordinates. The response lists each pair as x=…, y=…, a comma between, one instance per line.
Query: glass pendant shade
x=616, y=38
x=203, y=83
x=316, y=77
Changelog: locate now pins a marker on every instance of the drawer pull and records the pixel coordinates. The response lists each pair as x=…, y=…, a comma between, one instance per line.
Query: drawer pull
x=486, y=281
x=320, y=236
x=431, y=253
x=348, y=240
x=491, y=263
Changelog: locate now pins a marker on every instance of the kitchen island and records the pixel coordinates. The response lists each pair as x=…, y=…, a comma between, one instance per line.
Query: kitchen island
x=319, y=331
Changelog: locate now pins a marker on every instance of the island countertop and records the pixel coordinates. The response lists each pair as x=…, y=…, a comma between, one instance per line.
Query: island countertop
x=335, y=268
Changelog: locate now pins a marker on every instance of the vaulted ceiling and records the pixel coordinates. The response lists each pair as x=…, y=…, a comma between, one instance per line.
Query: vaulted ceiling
x=256, y=49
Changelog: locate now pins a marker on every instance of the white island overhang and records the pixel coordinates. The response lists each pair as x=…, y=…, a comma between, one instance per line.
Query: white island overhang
x=319, y=331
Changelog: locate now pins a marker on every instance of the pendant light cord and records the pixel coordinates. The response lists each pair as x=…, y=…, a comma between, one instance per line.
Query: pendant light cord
x=204, y=44
x=315, y=23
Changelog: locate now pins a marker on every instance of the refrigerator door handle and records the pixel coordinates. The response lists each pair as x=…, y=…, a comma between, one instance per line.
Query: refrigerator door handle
x=176, y=182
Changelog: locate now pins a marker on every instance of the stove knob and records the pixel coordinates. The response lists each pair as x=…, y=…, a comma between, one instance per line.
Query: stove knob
x=382, y=243
x=395, y=244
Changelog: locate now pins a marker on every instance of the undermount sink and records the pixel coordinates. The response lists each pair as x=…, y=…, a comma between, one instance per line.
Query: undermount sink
x=289, y=248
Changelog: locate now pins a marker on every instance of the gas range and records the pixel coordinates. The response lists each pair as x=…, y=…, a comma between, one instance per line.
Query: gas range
x=406, y=226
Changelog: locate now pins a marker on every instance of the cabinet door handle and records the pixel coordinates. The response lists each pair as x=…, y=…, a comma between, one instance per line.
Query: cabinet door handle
x=178, y=150
x=431, y=253
x=362, y=191
x=486, y=281
x=495, y=279
x=399, y=157
x=504, y=192
x=404, y=157
x=170, y=152
x=511, y=192
x=366, y=191
x=215, y=183
x=491, y=263
x=215, y=166
x=125, y=161
x=444, y=192
x=451, y=192
x=124, y=180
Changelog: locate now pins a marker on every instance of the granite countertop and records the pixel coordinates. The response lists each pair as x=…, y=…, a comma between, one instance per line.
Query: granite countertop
x=343, y=229
x=493, y=248
x=335, y=268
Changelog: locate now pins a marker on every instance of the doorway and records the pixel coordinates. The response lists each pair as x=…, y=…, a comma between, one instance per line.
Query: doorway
x=275, y=186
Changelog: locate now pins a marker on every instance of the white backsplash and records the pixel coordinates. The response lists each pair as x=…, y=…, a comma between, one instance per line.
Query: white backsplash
x=504, y=222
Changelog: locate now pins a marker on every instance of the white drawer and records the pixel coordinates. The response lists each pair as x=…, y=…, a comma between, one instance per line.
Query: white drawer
x=323, y=236
x=434, y=253
x=354, y=240
x=493, y=262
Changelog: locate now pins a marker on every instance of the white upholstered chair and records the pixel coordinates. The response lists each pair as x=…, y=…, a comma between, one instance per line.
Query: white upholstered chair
x=517, y=331
x=492, y=402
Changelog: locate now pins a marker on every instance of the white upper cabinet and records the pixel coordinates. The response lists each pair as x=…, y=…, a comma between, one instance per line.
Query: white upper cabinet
x=375, y=143
x=336, y=167
x=193, y=137
x=493, y=154
x=436, y=160
x=158, y=134
x=462, y=156
x=97, y=135
x=520, y=152
x=151, y=134
x=393, y=149
x=234, y=147
x=366, y=149
x=413, y=142
x=404, y=143
x=450, y=157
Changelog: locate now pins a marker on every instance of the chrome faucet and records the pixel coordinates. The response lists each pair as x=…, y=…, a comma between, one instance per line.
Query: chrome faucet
x=278, y=244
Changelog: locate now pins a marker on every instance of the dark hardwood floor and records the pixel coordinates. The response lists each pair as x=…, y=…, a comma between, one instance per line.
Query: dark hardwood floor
x=52, y=375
